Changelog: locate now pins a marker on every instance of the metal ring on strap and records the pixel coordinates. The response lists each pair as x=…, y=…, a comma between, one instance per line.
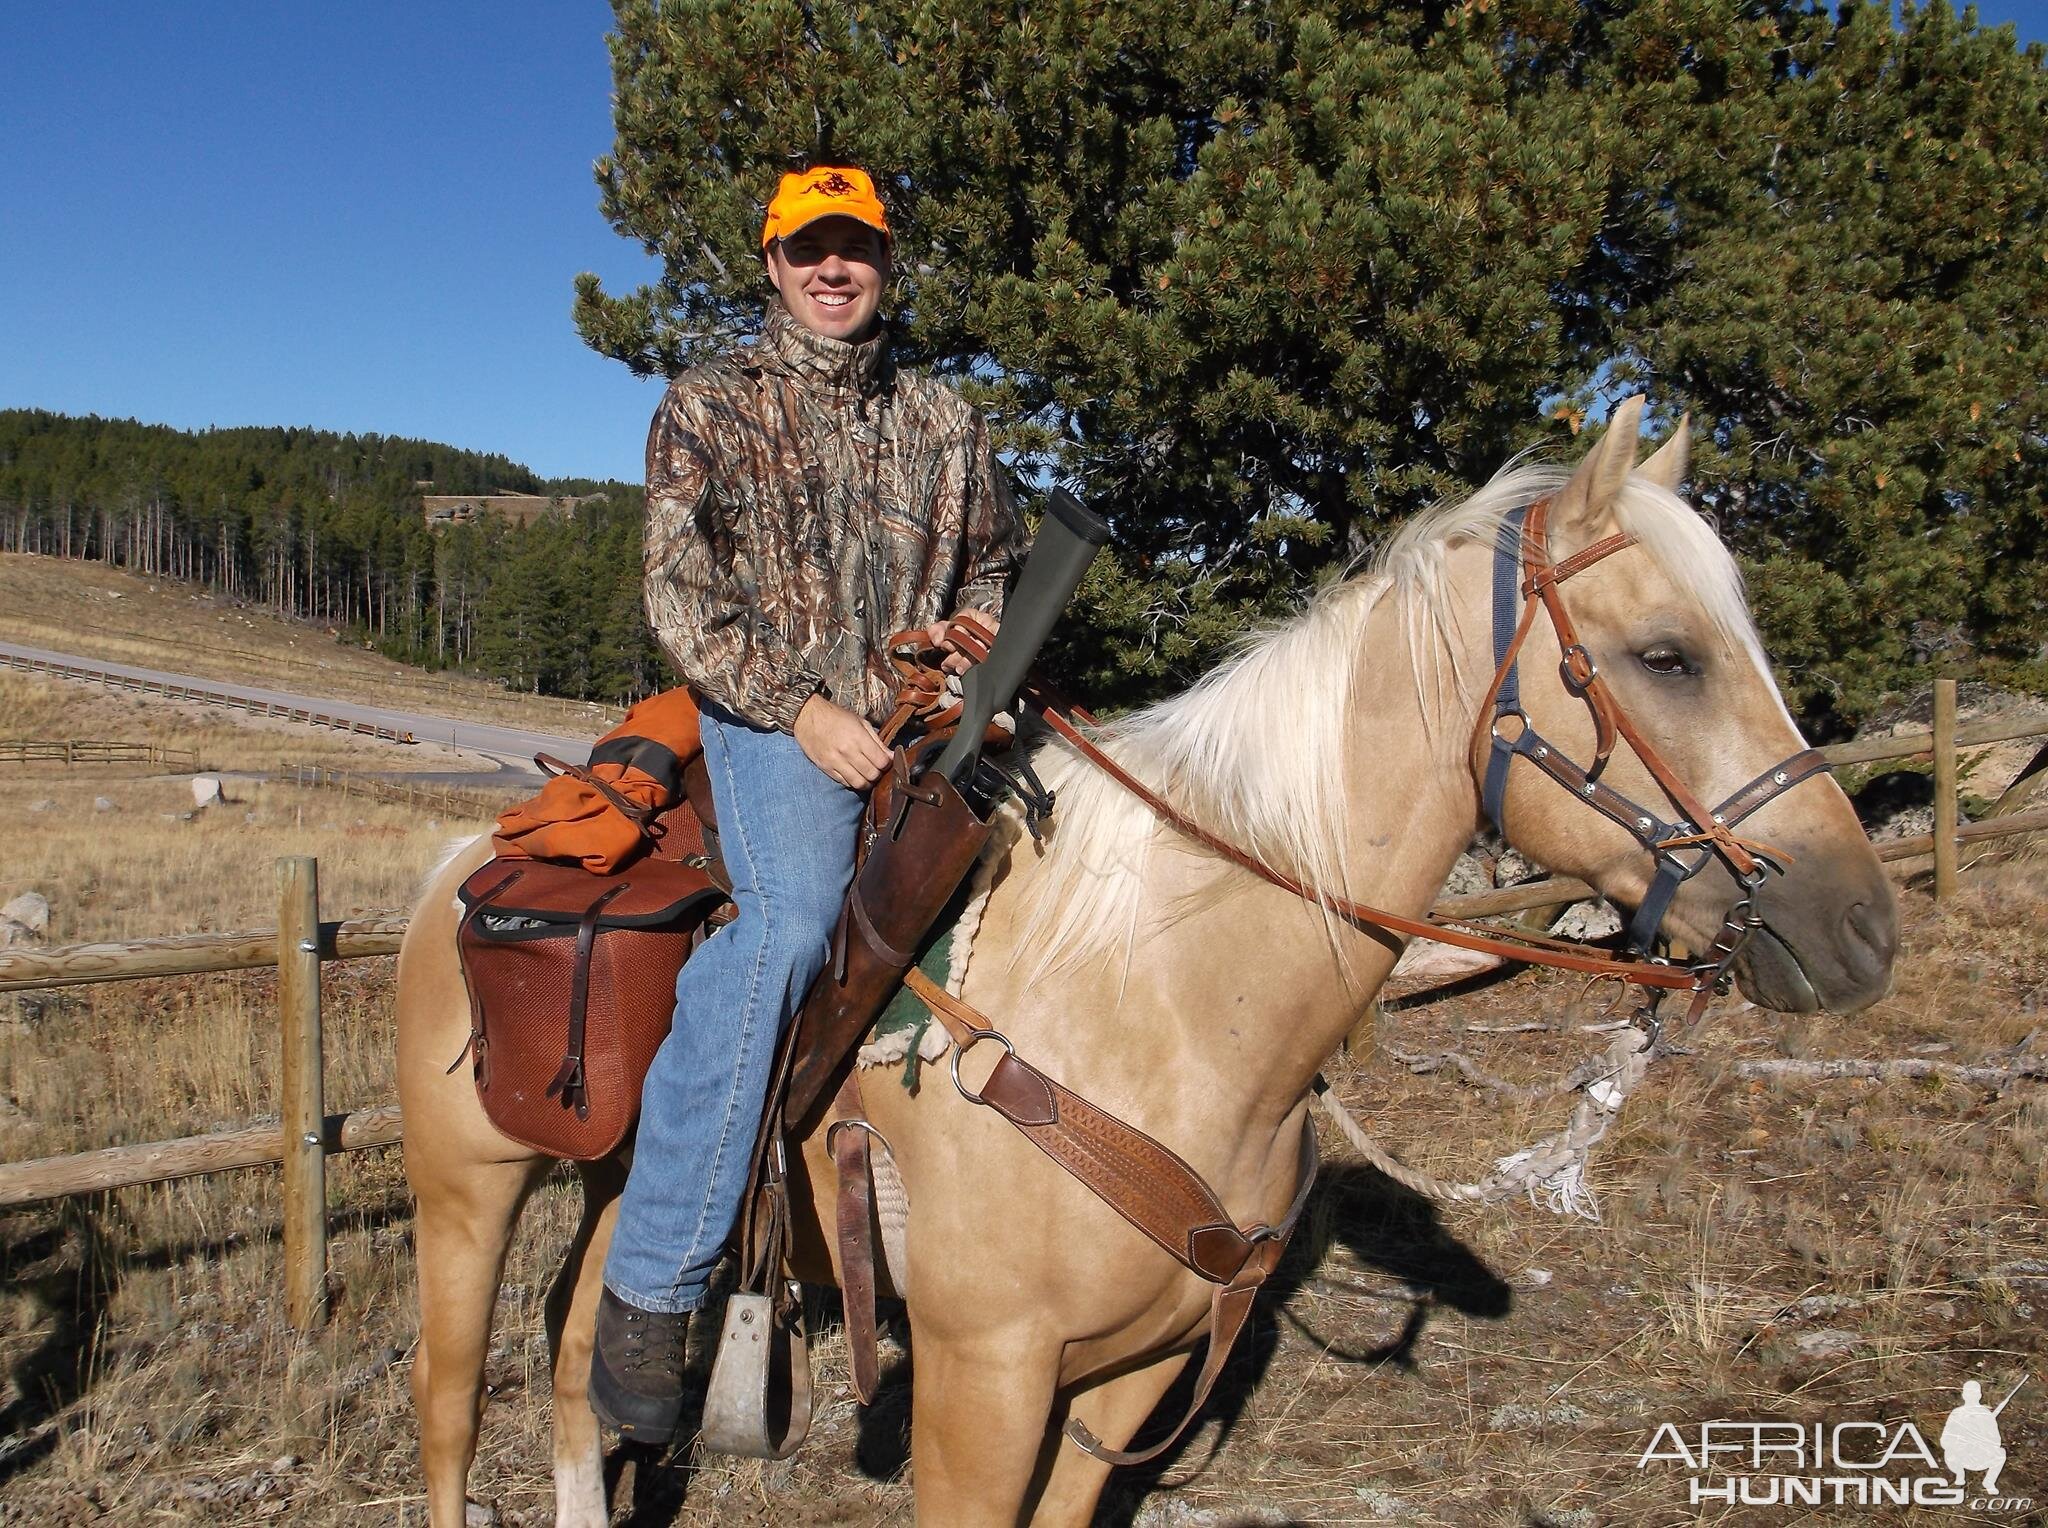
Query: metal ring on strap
x=974, y=1038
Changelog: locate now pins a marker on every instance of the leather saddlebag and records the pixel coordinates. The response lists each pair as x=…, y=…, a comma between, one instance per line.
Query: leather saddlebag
x=572, y=983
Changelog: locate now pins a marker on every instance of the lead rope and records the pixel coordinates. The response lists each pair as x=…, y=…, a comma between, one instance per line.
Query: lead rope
x=1553, y=1171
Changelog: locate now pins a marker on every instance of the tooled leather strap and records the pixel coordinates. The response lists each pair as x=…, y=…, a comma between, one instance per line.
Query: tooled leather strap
x=847, y=1139
x=1145, y=1182
x=570, y=1084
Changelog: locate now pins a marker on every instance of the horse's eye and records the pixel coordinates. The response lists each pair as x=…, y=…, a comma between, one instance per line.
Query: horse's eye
x=1665, y=660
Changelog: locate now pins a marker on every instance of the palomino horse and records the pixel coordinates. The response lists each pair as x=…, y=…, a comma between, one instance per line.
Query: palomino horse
x=1191, y=999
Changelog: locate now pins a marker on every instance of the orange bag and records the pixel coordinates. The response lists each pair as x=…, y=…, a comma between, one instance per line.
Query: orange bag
x=595, y=816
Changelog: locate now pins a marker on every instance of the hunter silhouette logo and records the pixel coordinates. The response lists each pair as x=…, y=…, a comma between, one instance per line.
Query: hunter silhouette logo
x=834, y=184
x=1969, y=1438
x=1843, y=1464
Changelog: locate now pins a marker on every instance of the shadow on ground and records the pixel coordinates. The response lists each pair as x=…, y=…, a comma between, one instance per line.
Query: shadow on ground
x=1391, y=1232
x=71, y=1269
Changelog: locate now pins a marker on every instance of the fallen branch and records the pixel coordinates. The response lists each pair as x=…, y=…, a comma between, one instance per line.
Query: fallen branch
x=1987, y=1075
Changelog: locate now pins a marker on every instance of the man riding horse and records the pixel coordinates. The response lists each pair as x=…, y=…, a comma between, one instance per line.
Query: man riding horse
x=805, y=498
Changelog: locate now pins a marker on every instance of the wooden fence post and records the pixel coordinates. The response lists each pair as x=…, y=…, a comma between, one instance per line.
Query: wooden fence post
x=302, y=1106
x=1944, y=789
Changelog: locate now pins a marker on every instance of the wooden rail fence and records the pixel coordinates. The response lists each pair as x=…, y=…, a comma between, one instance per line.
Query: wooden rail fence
x=400, y=792
x=306, y=1134
x=95, y=751
x=210, y=697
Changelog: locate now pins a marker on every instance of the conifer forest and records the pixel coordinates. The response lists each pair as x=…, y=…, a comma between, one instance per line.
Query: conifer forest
x=329, y=527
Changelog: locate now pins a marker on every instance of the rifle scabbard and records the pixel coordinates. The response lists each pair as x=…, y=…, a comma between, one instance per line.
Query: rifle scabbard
x=925, y=840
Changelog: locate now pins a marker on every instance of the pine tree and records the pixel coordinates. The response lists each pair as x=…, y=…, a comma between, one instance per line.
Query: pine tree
x=1264, y=279
x=1858, y=312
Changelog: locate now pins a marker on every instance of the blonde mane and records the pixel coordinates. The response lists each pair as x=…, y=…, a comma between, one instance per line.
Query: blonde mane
x=1208, y=749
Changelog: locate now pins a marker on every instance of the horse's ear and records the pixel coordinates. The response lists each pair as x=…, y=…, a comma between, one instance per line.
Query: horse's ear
x=1666, y=466
x=1591, y=492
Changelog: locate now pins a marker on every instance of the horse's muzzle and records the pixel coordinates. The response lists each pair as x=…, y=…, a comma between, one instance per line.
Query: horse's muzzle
x=1831, y=931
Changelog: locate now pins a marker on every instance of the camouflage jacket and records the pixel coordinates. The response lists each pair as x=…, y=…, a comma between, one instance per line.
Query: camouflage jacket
x=804, y=500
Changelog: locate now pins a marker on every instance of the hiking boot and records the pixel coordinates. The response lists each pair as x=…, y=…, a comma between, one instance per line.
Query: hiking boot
x=636, y=1370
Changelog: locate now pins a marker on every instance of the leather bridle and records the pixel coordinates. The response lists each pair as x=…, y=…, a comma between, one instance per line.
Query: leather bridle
x=1681, y=848
x=1524, y=573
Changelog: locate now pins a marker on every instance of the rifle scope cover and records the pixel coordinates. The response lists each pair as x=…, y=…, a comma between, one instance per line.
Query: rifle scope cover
x=1068, y=538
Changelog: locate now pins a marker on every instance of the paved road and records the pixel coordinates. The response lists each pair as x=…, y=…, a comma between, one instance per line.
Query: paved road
x=509, y=745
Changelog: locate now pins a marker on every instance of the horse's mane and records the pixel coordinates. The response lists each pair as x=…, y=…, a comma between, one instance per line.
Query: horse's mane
x=450, y=852
x=1255, y=749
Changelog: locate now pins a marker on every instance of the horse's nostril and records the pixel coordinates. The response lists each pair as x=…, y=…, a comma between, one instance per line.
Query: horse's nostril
x=1873, y=932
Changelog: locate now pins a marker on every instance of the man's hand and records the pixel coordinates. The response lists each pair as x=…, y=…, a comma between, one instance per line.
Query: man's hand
x=842, y=744
x=955, y=661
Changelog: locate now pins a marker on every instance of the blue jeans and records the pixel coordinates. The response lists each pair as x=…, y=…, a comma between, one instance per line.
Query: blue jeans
x=787, y=830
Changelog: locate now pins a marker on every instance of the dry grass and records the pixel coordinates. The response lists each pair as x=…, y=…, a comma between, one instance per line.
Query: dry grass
x=100, y=612
x=142, y=867
x=1496, y=1367
x=133, y=1327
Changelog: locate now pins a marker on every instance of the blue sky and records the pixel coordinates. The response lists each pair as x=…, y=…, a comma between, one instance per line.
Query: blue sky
x=361, y=217
x=2029, y=16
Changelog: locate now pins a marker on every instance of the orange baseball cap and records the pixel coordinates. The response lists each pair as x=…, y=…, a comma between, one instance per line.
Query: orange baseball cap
x=821, y=192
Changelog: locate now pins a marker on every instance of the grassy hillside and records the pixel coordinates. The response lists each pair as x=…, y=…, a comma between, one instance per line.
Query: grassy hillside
x=102, y=612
